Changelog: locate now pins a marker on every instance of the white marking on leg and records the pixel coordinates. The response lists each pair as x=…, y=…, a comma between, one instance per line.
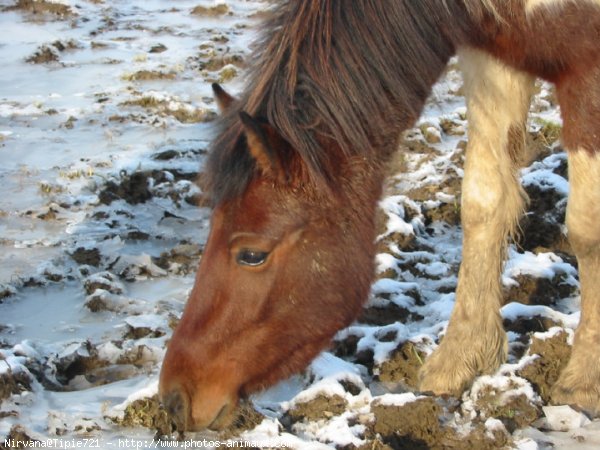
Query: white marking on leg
x=492, y=201
x=579, y=383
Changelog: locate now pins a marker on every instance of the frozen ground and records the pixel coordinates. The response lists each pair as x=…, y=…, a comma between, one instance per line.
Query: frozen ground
x=105, y=111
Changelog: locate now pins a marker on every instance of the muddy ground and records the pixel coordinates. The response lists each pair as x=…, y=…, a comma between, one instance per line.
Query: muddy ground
x=137, y=213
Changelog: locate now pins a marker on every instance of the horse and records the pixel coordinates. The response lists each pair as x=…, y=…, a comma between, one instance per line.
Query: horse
x=295, y=174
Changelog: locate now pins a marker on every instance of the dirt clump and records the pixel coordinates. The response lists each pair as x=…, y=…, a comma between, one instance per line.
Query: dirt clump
x=101, y=300
x=111, y=374
x=42, y=7
x=5, y=292
x=44, y=54
x=544, y=139
x=514, y=411
x=402, y=366
x=163, y=108
x=158, y=48
x=538, y=291
x=80, y=362
x=220, y=62
x=139, y=356
x=48, y=53
x=13, y=383
x=132, y=188
x=346, y=347
x=414, y=425
x=146, y=75
x=452, y=127
x=542, y=226
x=423, y=424
x=211, y=11
x=103, y=280
x=386, y=315
x=404, y=242
x=445, y=212
x=18, y=434
x=321, y=407
x=167, y=155
x=148, y=413
x=181, y=259
x=142, y=332
x=553, y=354
x=246, y=418
x=87, y=256
x=528, y=325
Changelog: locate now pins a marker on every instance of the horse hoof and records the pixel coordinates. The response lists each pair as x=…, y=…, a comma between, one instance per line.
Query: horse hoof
x=582, y=398
x=440, y=377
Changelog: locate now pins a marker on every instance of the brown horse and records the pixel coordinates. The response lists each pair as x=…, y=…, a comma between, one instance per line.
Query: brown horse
x=296, y=173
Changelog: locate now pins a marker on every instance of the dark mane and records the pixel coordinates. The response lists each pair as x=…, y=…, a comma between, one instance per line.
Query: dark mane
x=357, y=72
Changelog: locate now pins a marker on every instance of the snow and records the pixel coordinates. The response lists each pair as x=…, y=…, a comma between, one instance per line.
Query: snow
x=541, y=265
x=397, y=399
x=515, y=310
x=563, y=418
x=145, y=392
x=328, y=370
x=152, y=321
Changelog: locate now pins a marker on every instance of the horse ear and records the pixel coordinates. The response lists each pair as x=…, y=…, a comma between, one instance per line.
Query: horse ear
x=223, y=99
x=260, y=148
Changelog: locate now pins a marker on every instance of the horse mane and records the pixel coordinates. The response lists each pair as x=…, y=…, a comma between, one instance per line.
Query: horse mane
x=357, y=73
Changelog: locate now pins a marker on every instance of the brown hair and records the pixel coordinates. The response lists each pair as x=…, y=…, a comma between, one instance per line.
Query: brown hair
x=320, y=73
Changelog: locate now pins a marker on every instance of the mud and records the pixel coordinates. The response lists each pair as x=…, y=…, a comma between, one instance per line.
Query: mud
x=378, y=315
x=148, y=413
x=18, y=433
x=87, y=256
x=81, y=362
x=132, y=188
x=105, y=281
x=12, y=383
x=553, y=355
x=514, y=411
x=142, y=332
x=402, y=366
x=42, y=7
x=164, y=108
x=146, y=75
x=48, y=53
x=180, y=260
x=217, y=10
x=321, y=407
x=245, y=418
x=420, y=424
x=541, y=227
x=539, y=291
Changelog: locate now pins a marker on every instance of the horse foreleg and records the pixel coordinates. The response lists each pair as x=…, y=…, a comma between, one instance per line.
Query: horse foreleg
x=492, y=201
x=579, y=383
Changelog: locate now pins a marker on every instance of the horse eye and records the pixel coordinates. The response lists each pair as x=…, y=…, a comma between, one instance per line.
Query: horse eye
x=247, y=257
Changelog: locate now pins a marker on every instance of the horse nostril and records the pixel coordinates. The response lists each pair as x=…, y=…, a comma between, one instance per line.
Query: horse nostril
x=177, y=409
